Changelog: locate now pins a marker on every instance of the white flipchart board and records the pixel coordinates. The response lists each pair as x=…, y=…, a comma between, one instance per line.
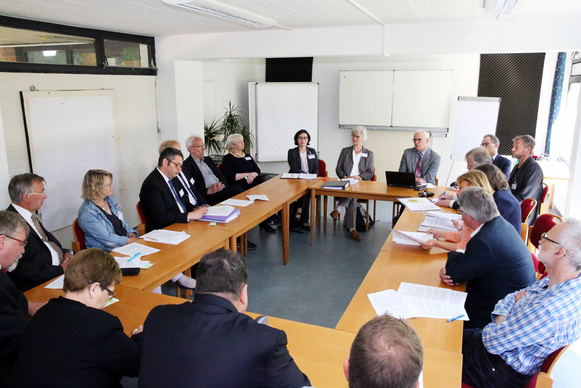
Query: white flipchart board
x=278, y=111
x=475, y=117
x=69, y=133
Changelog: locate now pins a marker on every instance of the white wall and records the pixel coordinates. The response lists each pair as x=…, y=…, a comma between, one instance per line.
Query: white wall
x=136, y=120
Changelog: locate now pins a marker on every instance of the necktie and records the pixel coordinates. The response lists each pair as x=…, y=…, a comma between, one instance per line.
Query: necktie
x=178, y=200
x=419, y=166
x=42, y=235
x=182, y=178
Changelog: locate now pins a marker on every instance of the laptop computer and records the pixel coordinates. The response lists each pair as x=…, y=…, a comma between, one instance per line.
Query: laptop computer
x=400, y=179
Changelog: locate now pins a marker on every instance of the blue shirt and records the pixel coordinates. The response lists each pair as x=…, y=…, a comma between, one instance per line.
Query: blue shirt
x=543, y=321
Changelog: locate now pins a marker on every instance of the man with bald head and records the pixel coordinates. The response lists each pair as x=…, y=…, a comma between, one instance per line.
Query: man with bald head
x=420, y=159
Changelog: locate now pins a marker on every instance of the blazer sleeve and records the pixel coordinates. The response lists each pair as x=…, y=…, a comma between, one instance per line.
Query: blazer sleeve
x=533, y=177
x=159, y=204
x=193, y=170
x=315, y=162
x=281, y=369
x=294, y=162
x=93, y=225
x=123, y=353
x=505, y=165
x=215, y=170
x=341, y=163
x=462, y=267
x=430, y=175
x=403, y=162
x=231, y=166
x=366, y=173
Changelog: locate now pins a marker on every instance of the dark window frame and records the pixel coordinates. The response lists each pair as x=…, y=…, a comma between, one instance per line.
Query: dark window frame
x=99, y=36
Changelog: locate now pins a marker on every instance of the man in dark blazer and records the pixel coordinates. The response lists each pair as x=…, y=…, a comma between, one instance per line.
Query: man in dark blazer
x=491, y=143
x=160, y=192
x=13, y=304
x=212, y=343
x=496, y=261
x=43, y=258
x=425, y=169
x=207, y=178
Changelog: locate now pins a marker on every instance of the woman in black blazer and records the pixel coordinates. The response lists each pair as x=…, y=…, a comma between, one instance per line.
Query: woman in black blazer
x=71, y=342
x=302, y=159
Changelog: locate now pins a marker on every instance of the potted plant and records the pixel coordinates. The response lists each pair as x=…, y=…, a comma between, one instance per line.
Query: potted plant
x=232, y=122
x=213, y=138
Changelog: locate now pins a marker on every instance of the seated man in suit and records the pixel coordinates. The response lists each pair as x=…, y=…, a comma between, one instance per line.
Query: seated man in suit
x=387, y=352
x=43, y=258
x=208, y=179
x=421, y=160
x=496, y=261
x=212, y=343
x=477, y=156
x=491, y=143
x=14, y=308
x=530, y=324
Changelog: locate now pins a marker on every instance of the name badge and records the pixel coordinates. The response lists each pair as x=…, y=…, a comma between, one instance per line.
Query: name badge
x=513, y=186
x=248, y=158
x=120, y=215
x=363, y=155
x=181, y=193
x=311, y=156
x=192, y=181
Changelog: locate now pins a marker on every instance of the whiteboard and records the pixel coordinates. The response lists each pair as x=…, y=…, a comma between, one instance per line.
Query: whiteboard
x=475, y=117
x=365, y=97
x=69, y=133
x=280, y=109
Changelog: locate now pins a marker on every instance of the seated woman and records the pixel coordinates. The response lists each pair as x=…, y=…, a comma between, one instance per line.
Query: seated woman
x=100, y=217
x=302, y=159
x=238, y=167
x=507, y=204
x=458, y=239
x=354, y=162
x=71, y=342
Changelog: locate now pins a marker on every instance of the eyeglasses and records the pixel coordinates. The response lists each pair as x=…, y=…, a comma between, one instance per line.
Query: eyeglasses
x=21, y=242
x=303, y=138
x=545, y=235
x=355, y=136
x=43, y=194
x=200, y=146
x=177, y=165
x=417, y=140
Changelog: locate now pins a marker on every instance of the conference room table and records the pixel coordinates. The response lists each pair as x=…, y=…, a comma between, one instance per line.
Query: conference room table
x=318, y=351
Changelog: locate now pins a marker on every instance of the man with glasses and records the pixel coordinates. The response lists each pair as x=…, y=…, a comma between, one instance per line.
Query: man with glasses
x=43, y=258
x=420, y=159
x=491, y=143
x=165, y=202
x=208, y=179
x=530, y=324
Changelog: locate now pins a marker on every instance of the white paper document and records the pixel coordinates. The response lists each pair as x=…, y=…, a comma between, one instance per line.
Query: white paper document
x=258, y=197
x=135, y=249
x=56, y=284
x=133, y=262
x=301, y=175
x=410, y=238
x=419, y=204
x=442, y=221
x=351, y=180
x=236, y=202
x=166, y=236
x=416, y=300
x=221, y=211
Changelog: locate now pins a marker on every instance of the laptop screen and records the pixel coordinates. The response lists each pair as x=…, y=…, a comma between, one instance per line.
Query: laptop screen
x=400, y=179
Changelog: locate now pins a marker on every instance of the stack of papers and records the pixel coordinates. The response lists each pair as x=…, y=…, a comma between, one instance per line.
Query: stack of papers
x=135, y=249
x=301, y=175
x=258, y=197
x=336, y=185
x=419, y=204
x=236, y=202
x=166, y=236
x=410, y=238
x=222, y=214
x=442, y=221
x=416, y=300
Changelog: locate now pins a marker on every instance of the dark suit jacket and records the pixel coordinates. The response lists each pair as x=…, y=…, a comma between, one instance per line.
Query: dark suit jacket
x=35, y=266
x=68, y=344
x=210, y=344
x=294, y=160
x=345, y=163
x=192, y=167
x=200, y=200
x=13, y=323
x=527, y=182
x=496, y=262
x=503, y=163
x=158, y=203
x=508, y=207
x=430, y=163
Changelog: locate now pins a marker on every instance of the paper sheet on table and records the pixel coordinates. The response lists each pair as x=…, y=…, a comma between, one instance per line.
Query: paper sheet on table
x=135, y=248
x=419, y=204
x=392, y=303
x=290, y=175
x=351, y=181
x=442, y=221
x=236, y=202
x=430, y=186
x=166, y=236
x=259, y=197
x=56, y=284
x=111, y=301
x=222, y=211
x=410, y=238
x=435, y=302
x=124, y=262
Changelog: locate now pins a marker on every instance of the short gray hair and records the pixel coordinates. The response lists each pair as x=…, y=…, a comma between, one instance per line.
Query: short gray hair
x=478, y=204
x=233, y=138
x=190, y=140
x=360, y=129
x=493, y=138
x=11, y=223
x=480, y=155
x=570, y=239
x=527, y=141
x=22, y=184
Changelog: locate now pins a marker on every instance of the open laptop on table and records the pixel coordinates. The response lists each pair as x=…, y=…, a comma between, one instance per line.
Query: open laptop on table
x=400, y=179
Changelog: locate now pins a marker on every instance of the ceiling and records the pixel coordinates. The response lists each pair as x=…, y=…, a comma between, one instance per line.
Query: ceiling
x=154, y=18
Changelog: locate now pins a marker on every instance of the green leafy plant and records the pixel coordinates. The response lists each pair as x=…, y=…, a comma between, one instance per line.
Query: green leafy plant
x=214, y=138
x=232, y=122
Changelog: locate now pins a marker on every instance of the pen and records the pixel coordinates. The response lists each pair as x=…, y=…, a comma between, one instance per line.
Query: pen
x=444, y=193
x=134, y=256
x=455, y=318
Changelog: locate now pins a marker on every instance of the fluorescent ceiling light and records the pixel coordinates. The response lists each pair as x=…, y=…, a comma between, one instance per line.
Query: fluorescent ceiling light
x=222, y=11
x=500, y=7
x=49, y=53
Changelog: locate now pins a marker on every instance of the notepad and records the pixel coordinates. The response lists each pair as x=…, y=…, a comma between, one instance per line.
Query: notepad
x=166, y=236
x=410, y=238
x=419, y=204
x=442, y=221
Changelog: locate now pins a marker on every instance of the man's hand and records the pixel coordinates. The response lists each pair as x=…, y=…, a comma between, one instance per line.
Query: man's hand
x=443, y=203
x=198, y=213
x=216, y=187
x=437, y=233
x=429, y=244
x=420, y=180
x=499, y=319
x=66, y=258
x=446, y=278
x=458, y=223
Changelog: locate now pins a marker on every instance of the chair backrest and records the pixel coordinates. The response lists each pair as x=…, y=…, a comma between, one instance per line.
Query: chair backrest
x=542, y=224
x=544, y=379
x=374, y=177
x=544, y=193
x=323, y=169
x=79, y=243
x=526, y=208
x=219, y=166
x=141, y=229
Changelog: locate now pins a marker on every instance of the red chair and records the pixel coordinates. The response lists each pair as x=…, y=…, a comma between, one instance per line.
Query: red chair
x=543, y=224
x=526, y=208
x=141, y=228
x=79, y=243
x=543, y=205
x=323, y=169
x=323, y=173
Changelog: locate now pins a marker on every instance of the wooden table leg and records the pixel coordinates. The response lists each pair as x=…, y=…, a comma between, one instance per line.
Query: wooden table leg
x=312, y=214
x=285, y=231
x=325, y=212
x=244, y=244
x=233, y=244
